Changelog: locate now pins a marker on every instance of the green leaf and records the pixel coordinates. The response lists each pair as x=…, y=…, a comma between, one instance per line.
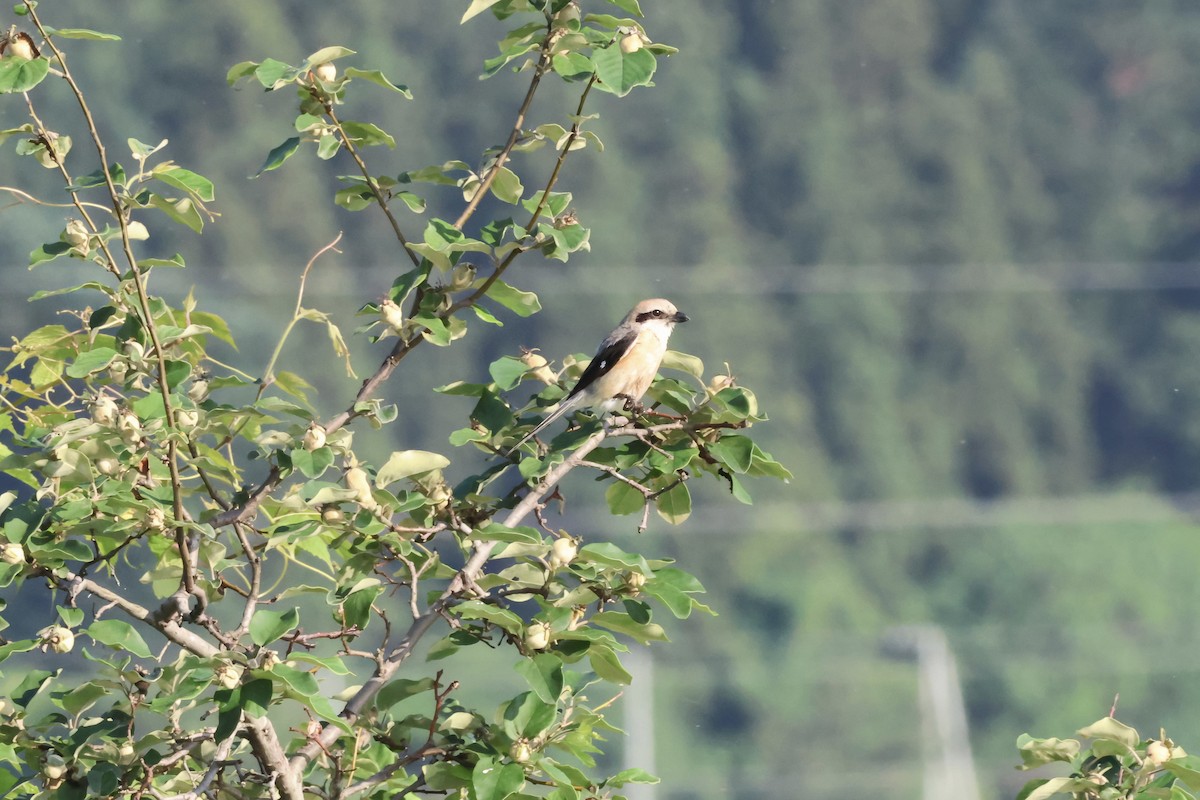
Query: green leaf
x=572, y=65
x=683, y=581
x=507, y=186
x=367, y=133
x=1109, y=728
x=83, y=33
x=331, y=53
x=267, y=626
x=293, y=384
x=48, y=252
x=182, y=211
x=255, y=696
x=562, y=241
x=675, y=506
x=401, y=689
x=477, y=7
x=18, y=75
x=354, y=198
x=312, y=464
x=624, y=499
x=119, y=634
x=495, y=532
x=1040, y=790
x=1186, y=769
x=23, y=646
x=528, y=715
x=71, y=617
x=491, y=781
x=405, y=463
x=608, y=554
x=299, y=681
x=620, y=72
x=187, y=181
x=474, y=609
x=633, y=775
x=544, y=674
x=30, y=686
x=606, y=664
x=521, y=303
x=273, y=74
x=102, y=780
x=620, y=622
x=684, y=362
x=735, y=452
x=377, y=77
x=486, y=315
x=507, y=372
x=174, y=261
x=279, y=155
x=83, y=697
x=1036, y=752
x=243, y=69
x=228, y=718
x=91, y=362
x=676, y=601
x=630, y=7
x=356, y=608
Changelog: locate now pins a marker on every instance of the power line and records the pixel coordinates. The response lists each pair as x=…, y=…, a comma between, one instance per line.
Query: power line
x=883, y=516
x=613, y=280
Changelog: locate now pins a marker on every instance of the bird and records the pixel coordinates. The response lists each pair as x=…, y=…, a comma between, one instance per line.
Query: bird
x=624, y=365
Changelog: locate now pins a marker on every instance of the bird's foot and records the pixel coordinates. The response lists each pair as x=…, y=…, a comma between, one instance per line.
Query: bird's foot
x=635, y=408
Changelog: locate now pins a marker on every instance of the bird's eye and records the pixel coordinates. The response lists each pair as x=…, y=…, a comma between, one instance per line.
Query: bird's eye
x=656, y=312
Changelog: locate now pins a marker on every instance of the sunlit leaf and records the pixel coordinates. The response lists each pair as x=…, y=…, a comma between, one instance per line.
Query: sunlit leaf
x=83, y=33
x=120, y=634
x=405, y=463
x=477, y=7
x=619, y=73
x=19, y=75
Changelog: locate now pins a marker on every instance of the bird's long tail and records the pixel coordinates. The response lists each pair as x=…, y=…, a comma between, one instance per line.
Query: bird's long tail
x=570, y=404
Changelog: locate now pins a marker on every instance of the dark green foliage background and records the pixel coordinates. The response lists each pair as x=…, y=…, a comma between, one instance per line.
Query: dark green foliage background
x=951, y=243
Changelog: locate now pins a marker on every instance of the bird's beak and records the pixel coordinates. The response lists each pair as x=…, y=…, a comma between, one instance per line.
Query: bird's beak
x=679, y=317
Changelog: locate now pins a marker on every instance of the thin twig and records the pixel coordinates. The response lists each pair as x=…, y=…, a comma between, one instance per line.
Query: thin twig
x=269, y=371
x=255, y=580
x=543, y=64
x=371, y=183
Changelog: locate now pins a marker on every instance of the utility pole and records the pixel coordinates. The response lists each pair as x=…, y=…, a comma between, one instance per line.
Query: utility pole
x=949, y=771
x=639, y=721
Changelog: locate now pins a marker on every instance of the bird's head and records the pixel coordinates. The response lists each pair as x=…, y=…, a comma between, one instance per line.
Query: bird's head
x=656, y=312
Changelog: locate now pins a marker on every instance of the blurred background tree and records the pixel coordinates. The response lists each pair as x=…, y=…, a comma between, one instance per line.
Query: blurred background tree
x=955, y=241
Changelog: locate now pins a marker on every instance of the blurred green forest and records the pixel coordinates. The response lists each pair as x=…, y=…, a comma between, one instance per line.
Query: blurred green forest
x=951, y=244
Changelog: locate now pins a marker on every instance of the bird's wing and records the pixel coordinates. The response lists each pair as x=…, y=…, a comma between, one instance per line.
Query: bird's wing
x=612, y=350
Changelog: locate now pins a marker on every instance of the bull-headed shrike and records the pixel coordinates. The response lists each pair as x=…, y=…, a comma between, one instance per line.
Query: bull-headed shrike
x=624, y=366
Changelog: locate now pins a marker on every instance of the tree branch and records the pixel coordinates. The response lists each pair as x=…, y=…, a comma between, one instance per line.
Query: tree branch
x=214, y=768
x=139, y=282
x=462, y=580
